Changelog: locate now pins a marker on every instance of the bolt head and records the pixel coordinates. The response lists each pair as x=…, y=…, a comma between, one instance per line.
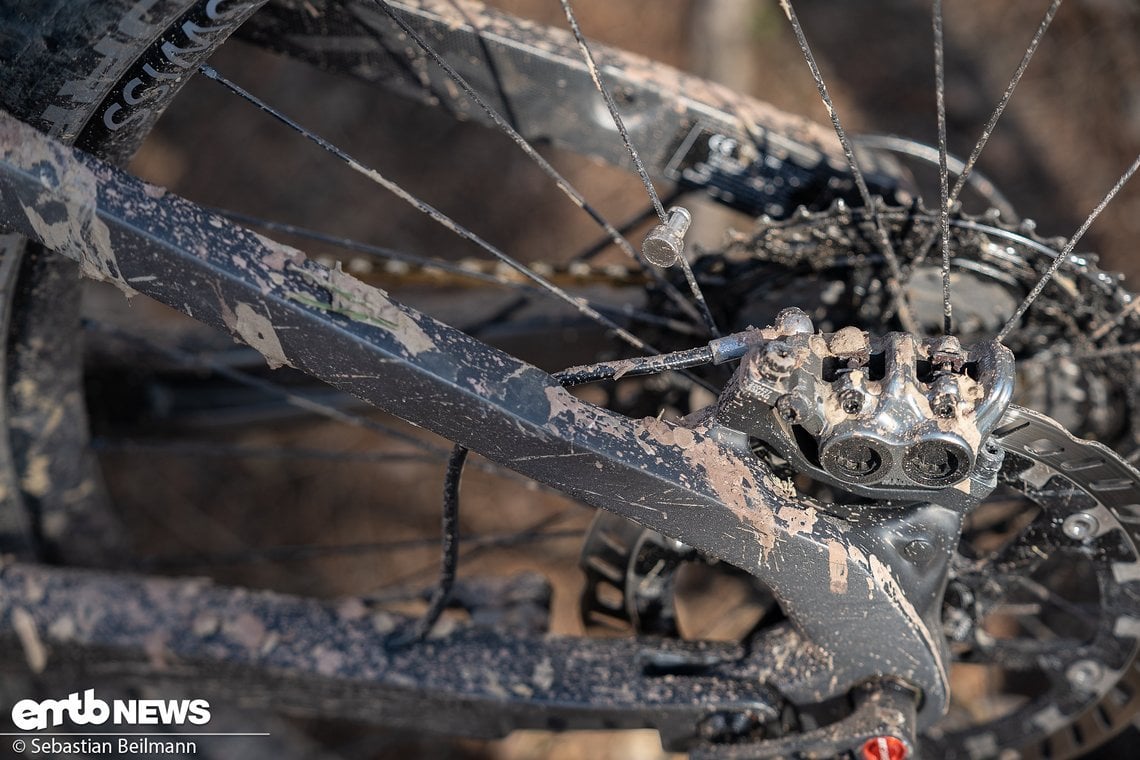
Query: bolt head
x=776, y=360
x=918, y=550
x=1084, y=674
x=791, y=408
x=947, y=351
x=884, y=748
x=945, y=406
x=793, y=321
x=851, y=402
x=1080, y=526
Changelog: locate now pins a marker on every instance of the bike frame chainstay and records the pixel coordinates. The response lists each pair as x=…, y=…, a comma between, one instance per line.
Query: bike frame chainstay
x=864, y=610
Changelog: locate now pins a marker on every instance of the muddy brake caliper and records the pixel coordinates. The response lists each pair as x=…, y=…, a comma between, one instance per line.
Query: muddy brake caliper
x=892, y=437
x=891, y=418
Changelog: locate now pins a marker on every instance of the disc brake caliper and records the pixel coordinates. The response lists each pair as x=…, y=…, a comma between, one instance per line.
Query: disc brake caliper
x=892, y=418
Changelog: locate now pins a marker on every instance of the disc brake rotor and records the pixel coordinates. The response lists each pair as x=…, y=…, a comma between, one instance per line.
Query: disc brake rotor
x=1048, y=613
x=1043, y=605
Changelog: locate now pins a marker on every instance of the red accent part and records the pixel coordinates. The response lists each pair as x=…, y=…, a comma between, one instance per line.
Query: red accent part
x=884, y=748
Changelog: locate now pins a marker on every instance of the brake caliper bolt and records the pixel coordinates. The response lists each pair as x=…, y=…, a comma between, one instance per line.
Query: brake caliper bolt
x=884, y=748
x=1080, y=526
x=776, y=360
x=947, y=354
x=666, y=242
x=794, y=321
x=851, y=401
x=791, y=408
x=945, y=406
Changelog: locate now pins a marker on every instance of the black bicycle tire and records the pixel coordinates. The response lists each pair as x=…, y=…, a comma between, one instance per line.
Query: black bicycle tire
x=61, y=60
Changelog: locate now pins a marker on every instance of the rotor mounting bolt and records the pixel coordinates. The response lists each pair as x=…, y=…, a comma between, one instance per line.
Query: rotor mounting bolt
x=884, y=748
x=666, y=242
x=948, y=344
x=1080, y=526
x=947, y=352
x=1084, y=674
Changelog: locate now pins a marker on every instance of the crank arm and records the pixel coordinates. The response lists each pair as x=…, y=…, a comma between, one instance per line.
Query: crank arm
x=844, y=587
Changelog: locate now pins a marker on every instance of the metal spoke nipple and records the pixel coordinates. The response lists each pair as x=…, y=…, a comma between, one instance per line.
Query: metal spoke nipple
x=666, y=242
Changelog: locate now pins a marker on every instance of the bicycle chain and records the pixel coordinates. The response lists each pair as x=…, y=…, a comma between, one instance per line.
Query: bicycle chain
x=394, y=273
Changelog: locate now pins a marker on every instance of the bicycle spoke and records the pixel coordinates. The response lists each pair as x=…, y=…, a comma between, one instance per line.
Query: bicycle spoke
x=599, y=85
x=1068, y=249
x=194, y=360
x=563, y=184
x=699, y=296
x=596, y=76
x=217, y=449
x=894, y=282
x=430, y=211
x=306, y=552
x=965, y=173
x=1049, y=596
x=1100, y=353
x=458, y=270
x=943, y=172
x=978, y=182
x=988, y=130
x=374, y=251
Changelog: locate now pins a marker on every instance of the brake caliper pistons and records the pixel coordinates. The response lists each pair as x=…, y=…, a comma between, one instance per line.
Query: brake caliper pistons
x=890, y=417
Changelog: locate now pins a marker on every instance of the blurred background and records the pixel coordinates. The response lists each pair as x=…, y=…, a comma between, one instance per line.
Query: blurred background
x=1072, y=127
